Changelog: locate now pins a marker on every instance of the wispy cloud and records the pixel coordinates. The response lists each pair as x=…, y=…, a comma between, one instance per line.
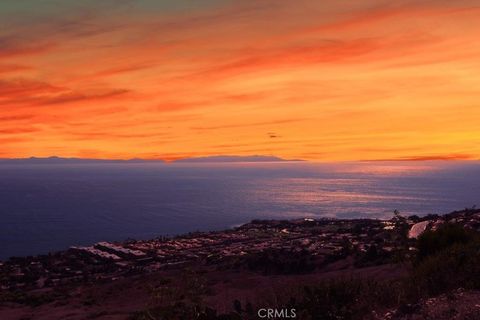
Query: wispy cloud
x=246, y=125
x=434, y=157
x=81, y=97
x=11, y=47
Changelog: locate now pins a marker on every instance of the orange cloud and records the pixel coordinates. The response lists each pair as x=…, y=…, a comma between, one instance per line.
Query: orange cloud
x=81, y=97
x=435, y=157
x=10, y=68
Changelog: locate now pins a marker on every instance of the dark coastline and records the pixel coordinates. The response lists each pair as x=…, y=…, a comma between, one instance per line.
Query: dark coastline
x=273, y=252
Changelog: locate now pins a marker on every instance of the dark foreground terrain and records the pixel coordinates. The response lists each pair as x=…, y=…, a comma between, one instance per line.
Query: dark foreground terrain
x=402, y=268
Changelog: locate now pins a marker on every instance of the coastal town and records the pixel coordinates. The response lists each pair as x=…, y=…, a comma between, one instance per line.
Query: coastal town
x=323, y=240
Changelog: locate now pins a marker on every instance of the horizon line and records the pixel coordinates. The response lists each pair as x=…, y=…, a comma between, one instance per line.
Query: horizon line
x=449, y=158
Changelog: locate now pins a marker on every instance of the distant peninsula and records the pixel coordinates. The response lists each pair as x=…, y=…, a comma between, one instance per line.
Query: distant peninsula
x=59, y=160
x=254, y=158
x=208, y=159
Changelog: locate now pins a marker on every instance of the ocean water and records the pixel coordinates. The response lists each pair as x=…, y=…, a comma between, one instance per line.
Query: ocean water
x=51, y=207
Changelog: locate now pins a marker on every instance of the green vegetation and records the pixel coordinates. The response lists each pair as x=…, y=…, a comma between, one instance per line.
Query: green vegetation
x=343, y=299
x=447, y=259
x=432, y=242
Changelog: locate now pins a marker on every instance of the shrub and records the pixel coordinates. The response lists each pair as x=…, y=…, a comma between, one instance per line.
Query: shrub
x=431, y=242
x=456, y=266
x=348, y=298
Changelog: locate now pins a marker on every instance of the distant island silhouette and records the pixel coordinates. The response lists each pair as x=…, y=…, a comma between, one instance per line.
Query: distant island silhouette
x=208, y=159
x=254, y=158
x=59, y=160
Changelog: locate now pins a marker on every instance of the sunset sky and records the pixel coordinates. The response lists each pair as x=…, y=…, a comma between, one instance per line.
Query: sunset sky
x=318, y=80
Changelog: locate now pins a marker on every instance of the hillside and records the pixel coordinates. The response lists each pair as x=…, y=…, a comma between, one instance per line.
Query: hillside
x=323, y=269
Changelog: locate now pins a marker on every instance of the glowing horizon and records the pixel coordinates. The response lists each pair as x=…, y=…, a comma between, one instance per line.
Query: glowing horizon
x=320, y=81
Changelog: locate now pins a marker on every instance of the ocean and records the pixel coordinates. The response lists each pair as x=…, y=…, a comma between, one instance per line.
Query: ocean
x=47, y=207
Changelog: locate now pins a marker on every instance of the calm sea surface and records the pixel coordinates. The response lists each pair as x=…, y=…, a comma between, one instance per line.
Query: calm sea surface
x=50, y=207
